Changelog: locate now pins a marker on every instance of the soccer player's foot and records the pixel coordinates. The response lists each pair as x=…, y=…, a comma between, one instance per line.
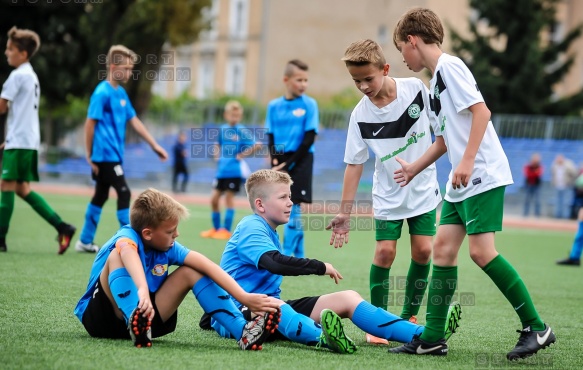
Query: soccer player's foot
x=333, y=335
x=258, y=330
x=376, y=340
x=569, y=262
x=3, y=247
x=86, y=247
x=413, y=319
x=452, y=322
x=65, y=236
x=530, y=342
x=420, y=347
x=222, y=234
x=208, y=233
x=140, y=329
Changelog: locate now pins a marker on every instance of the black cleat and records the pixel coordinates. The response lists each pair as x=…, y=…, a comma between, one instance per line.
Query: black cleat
x=530, y=342
x=420, y=347
x=140, y=329
x=569, y=262
x=3, y=246
x=65, y=236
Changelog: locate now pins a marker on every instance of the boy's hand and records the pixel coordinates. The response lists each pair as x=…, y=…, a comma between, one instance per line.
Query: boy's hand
x=340, y=226
x=462, y=174
x=94, y=168
x=2, y=145
x=145, y=304
x=404, y=175
x=333, y=273
x=161, y=152
x=260, y=303
x=278, y=167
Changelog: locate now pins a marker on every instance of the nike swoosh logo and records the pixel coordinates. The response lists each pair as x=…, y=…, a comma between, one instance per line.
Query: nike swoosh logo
x=422, y=351
x=543, y=339
x=516, y=308
x=470, y=221
x=375, y=133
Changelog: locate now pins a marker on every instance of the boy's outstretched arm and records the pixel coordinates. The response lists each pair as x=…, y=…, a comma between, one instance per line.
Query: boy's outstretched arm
x=480, y=119
x=89, y=133
x=131, y=261
x=143, y=132
x=340, y=224
x=255, y=302
x=408, y=171
x=279, y=264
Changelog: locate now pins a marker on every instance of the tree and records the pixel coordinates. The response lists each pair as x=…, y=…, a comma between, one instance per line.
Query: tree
x=514, y=68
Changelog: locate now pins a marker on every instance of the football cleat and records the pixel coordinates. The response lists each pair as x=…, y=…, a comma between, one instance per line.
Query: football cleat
x=222, y=234
x=420, y=347
x=452, y=322
x=208, y=233
x=333, y=335
x=569, y=262
x=258, y=330
x=65, y=236
x=86, y=247
x=530, y=342
x=140, y=329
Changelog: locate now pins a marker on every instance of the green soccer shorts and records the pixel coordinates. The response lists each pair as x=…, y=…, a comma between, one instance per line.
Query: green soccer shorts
x=20, y=165
x=424, y=224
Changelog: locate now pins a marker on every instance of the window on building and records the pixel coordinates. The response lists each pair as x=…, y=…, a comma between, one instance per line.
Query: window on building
x=206, y=72
x=235, y=75
x=239, y=18
x=211, y=14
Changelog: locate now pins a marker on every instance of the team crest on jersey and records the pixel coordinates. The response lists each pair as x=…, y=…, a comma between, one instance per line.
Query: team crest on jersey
x=299, y=112
x=414, y=111
x=159, y=269
x=436, y=92
x=122, y=102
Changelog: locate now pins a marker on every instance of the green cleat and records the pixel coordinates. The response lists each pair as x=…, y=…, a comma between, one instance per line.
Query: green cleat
x=333, y=335
x=454, y=315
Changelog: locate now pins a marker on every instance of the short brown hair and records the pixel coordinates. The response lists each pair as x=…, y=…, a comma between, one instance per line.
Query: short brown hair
x=233, y=104
x=364, y=52
x=117, y=54
x=291, y=66
x=152, y=207
x=420, y=22
x=24, y=40
x=257, y=181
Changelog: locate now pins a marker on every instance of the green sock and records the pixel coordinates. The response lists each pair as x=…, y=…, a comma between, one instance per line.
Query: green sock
x=511, y=285
x=41, y=207
x=379, y=286
x=415, y=288
x=6, y=208
x=441, y=289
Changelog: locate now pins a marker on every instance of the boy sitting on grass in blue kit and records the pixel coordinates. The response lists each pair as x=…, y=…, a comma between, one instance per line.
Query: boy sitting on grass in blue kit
x=253, y=257
x=131, y=294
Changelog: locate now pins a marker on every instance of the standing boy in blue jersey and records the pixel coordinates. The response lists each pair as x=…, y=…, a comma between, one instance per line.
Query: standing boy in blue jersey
x=109, y=112
x=253, y=258
x=131, y=294
x=19, y=164
x=292, y=125
x=234, y=143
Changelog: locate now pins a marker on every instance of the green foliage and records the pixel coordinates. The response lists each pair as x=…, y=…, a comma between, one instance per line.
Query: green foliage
x=519, y=76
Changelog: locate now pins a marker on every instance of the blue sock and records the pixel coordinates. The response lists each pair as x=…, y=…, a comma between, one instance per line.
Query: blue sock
x=92, y=215
x=217, y=303
x=216, y=217
x=229, y=215
x=577, y=243
x=123, y=216
x=124, y=291
x=297, y=327
x=293, y=237
x=383, y=324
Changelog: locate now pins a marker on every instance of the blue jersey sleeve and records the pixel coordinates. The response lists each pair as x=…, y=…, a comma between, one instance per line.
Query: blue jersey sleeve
x=312, y=115
x=97, y=105
x=129, y=108
x=268, y=118
x=254, y=240
x=177, y=254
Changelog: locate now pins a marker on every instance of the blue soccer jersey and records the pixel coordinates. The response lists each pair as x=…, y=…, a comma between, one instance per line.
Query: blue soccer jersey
x=233, y=140
x=288, y=120
x=111, y=109
x=155, y=264
x=251, y=239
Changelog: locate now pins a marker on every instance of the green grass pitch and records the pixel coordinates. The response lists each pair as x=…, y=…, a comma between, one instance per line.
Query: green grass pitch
x=39, y=289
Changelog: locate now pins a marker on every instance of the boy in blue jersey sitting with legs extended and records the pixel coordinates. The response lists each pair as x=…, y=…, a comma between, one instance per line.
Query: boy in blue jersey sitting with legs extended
x=109, y=112
x=234, y=143
x=131, y=294
x=253, y=256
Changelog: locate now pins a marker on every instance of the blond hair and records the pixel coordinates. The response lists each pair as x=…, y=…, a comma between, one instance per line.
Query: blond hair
x=257, y=184
x=364, y=52
x=420, y=22
x=24, y=40
x=117, y=54
x=290, y=67
x=153, y=207
x=233, y=105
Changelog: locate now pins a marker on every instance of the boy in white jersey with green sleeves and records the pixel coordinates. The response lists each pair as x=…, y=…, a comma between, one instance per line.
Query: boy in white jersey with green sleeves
x=474, y=198
x=392, y=118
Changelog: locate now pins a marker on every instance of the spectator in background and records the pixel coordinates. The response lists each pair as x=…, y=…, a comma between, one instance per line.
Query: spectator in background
x=180, y=154
x=563, y=175
x=533, y=173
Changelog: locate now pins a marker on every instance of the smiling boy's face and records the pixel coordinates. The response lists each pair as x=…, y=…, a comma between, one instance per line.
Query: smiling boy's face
x=276, y=206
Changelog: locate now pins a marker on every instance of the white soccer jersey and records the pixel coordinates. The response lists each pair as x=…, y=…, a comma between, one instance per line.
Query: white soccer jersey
x=22, y=90
x=453, y=90
x=401, y=129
